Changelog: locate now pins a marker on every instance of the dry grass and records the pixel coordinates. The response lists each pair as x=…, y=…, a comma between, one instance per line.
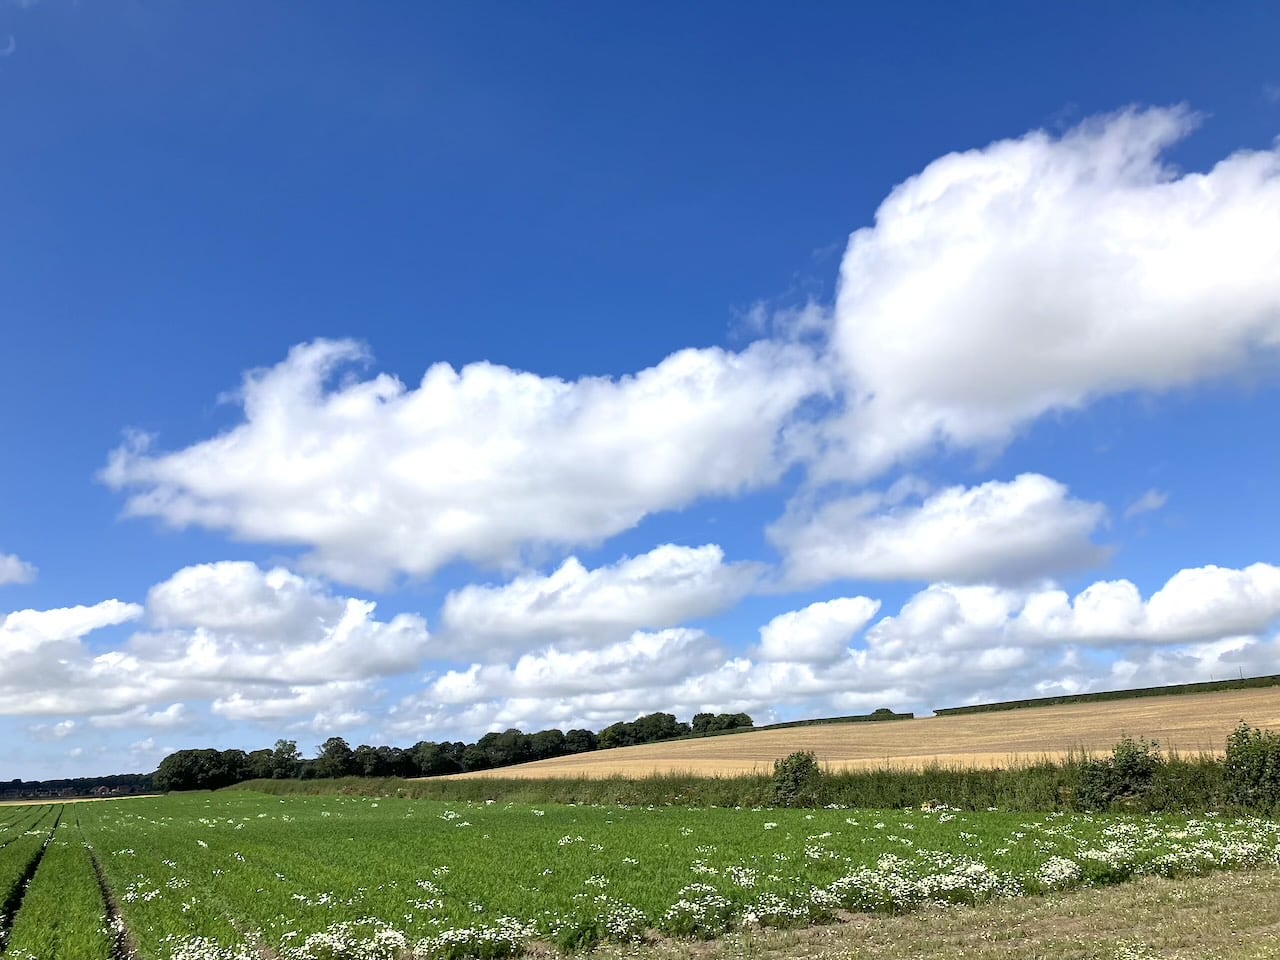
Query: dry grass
x=1231, y=916
x=1189, y=724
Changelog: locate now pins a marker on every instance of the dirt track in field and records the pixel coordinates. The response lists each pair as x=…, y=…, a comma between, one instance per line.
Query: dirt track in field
x=1189, y=723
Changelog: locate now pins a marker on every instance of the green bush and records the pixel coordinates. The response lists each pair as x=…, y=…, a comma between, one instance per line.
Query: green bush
x=1123, y=779
x=797, y=780
x=1253, y=767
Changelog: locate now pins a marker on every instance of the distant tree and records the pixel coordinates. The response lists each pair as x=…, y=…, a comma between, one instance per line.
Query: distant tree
x=395, y=762
x=285, y=760
x=715, y=722
x=260, y=764
x=475, y=758
x=179, y=771
x=503, y=749
x=206, y=769
x=579, y=741
x=434, y=759
x=546, y=744
x=336, y=759
x=233, y=767
x=621, y=734
x=365, y=761
x=653, y=727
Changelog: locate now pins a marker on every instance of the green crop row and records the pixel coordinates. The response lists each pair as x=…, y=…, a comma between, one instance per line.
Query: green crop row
x=18, y=858
x=231, y=875
x=63, y=913
x=17, y=820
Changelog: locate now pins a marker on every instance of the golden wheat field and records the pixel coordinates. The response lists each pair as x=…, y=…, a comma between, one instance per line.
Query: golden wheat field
x=1189, y=724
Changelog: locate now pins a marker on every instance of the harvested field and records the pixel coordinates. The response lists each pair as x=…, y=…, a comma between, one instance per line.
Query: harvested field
x=1189, y=724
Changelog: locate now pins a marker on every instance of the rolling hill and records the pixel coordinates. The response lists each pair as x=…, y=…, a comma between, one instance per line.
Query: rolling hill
x=1190, y=723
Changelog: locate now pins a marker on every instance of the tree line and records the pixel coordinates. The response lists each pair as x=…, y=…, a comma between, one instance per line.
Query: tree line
x=116, y=783
x=210, y=769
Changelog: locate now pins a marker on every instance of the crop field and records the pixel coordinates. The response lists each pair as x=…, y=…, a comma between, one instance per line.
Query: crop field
x=239, y=875
x=1190, y=724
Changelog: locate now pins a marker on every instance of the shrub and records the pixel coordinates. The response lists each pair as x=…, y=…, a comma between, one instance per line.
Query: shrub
x=1253, y=767
x=797, y=780
x=1125, y=778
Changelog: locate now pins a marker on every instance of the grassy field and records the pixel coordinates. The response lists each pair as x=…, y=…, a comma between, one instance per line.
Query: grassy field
x=239, y=875
x=1189, y=724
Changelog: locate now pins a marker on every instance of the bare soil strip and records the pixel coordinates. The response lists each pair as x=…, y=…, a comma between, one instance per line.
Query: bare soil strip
x=1189, y=724
x=123, y=947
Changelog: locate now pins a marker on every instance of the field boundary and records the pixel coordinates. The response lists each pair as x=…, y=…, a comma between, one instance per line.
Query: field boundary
x=1135, y=693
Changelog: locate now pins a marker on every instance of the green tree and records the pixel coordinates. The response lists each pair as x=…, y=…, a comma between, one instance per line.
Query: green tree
x=579, y=741
x=260, y=764
x=547, y=743
x=434, y=759
x=336, y=759
x=285, y=760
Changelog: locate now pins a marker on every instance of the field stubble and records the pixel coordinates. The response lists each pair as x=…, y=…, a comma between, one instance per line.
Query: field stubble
x=1190, y=724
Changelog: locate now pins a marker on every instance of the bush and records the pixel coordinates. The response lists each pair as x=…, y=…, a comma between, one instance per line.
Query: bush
x=797, y=780
x=1253, y=767
x=1123, y=779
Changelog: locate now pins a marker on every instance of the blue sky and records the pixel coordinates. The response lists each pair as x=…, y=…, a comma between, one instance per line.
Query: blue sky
x=795, y=361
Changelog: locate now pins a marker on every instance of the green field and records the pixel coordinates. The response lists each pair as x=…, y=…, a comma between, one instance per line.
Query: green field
x=244, y=875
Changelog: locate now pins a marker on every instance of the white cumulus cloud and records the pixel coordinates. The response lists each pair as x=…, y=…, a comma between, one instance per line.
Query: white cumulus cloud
x=1040, y=273
x=578, y=606
x=947, y=644
x=1019, y=531
x=474, y=464
x=1197, y=604
x=819, y=633
x=253, y=643
x=233, y=621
